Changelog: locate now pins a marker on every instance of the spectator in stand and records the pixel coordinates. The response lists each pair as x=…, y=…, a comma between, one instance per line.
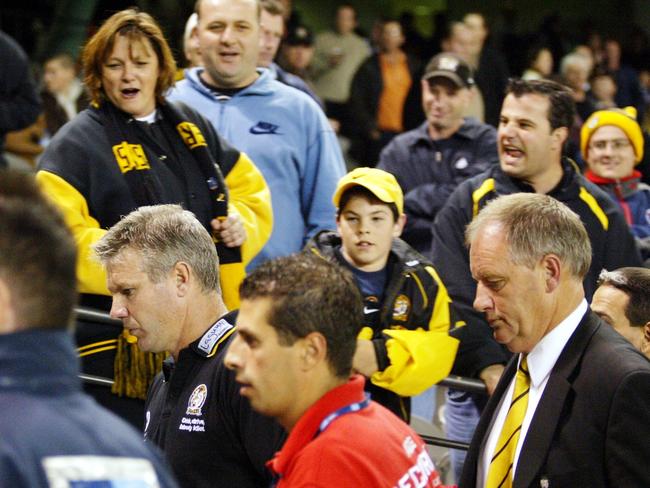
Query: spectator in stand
x=160, y=269
x=415, y=44
x=379, y=93
x=19, y=102
x=489, y=65
x=191, y=49
x=623, y=301
x=462, y=41
x=603, y=89
x=575, y=70
x=131, y=148
x=535, y=121
x=431, y=161
x=23, y=147
x=405, y=345
x=283, y=130
x=63, y=94
x=299, y=319
x=337, y=57
x=539, y=64
x=612, y=144
x=51, y=434
x=271, y=33
x=627, y=80
x=297, y=52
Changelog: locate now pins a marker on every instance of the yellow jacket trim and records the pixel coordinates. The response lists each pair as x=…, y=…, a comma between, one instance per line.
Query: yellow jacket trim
x=486, y=187
x=593, y=205
x=250, y=197
x=420, y=358
x=96, y=344
x=95, y=351
x=215, y=348
x=91, y=277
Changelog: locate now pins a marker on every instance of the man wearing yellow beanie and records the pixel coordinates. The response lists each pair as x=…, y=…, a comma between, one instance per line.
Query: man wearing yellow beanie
x=611, y=142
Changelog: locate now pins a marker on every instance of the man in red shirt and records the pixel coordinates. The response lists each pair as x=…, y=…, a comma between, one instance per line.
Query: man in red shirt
x=298, y=323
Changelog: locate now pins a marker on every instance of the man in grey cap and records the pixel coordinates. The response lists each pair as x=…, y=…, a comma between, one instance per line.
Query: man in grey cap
x=431, y=160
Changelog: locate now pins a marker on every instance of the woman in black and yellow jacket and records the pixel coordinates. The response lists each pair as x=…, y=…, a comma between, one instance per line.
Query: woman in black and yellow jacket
x=132, y=148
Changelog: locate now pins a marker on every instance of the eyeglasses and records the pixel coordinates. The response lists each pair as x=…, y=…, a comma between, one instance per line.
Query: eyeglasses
x=616, y=145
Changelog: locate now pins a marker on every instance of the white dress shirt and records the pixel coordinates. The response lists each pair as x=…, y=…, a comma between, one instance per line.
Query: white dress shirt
x=541, y=360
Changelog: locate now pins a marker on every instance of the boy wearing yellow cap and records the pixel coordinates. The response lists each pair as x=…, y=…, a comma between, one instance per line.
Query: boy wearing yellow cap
x=611, y=142
x=404, y=347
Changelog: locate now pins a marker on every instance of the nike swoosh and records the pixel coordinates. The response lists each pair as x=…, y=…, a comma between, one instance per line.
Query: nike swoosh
x=367, y=310
x=257, y=130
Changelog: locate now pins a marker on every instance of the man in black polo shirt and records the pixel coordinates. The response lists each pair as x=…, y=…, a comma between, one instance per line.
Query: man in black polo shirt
x=430, y=161
x=162, y=271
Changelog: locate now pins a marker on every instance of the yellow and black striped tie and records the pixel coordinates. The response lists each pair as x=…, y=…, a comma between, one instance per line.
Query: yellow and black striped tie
x=500, y=472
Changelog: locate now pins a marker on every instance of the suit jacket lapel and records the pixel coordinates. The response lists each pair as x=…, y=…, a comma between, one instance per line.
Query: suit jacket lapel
x=547, y=415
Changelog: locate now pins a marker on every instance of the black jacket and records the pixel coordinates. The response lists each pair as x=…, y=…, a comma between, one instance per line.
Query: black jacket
x=612, y=244
x=592, y=423
x=208, y=431
x=365, y=92
x=429, y=171
x=412, y=318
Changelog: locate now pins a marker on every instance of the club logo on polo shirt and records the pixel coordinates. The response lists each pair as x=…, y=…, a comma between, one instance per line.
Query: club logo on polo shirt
x=197, y=399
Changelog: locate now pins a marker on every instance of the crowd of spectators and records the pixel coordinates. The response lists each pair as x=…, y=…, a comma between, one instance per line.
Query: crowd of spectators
x=255, y=137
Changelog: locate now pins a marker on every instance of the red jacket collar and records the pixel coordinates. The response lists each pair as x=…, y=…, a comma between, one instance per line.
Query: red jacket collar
x=307, y=427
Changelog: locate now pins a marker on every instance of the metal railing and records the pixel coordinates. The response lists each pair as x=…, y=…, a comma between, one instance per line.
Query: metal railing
x=456, y=382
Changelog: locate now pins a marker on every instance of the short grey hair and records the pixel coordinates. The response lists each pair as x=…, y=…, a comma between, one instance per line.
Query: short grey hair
x=537, y=225
x=164, y=235
x=575, y=59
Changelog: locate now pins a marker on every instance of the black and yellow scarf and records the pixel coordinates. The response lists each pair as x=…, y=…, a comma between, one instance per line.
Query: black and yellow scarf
x=134, y=370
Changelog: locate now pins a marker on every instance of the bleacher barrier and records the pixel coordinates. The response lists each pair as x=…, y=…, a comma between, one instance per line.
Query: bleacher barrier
x=457, y=382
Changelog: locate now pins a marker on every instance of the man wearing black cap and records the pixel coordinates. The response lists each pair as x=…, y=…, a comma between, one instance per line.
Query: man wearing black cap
x=431, y=160
x=297, y=52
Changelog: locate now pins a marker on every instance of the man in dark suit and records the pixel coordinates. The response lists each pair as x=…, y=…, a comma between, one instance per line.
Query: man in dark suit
x=573, y=405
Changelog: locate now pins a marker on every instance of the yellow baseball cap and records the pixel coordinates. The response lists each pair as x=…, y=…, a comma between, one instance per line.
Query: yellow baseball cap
x=624, y=119
x=381, y=184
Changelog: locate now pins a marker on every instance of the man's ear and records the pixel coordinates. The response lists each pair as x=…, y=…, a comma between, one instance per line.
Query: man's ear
x=645, y=344
x=7, y=312
x=471, y=93
x=560, y=135
x=182, y=274
x=553, y=271
x=314, y=350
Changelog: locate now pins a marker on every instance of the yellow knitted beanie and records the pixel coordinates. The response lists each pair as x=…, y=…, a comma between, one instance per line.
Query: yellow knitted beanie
x=624, y=119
